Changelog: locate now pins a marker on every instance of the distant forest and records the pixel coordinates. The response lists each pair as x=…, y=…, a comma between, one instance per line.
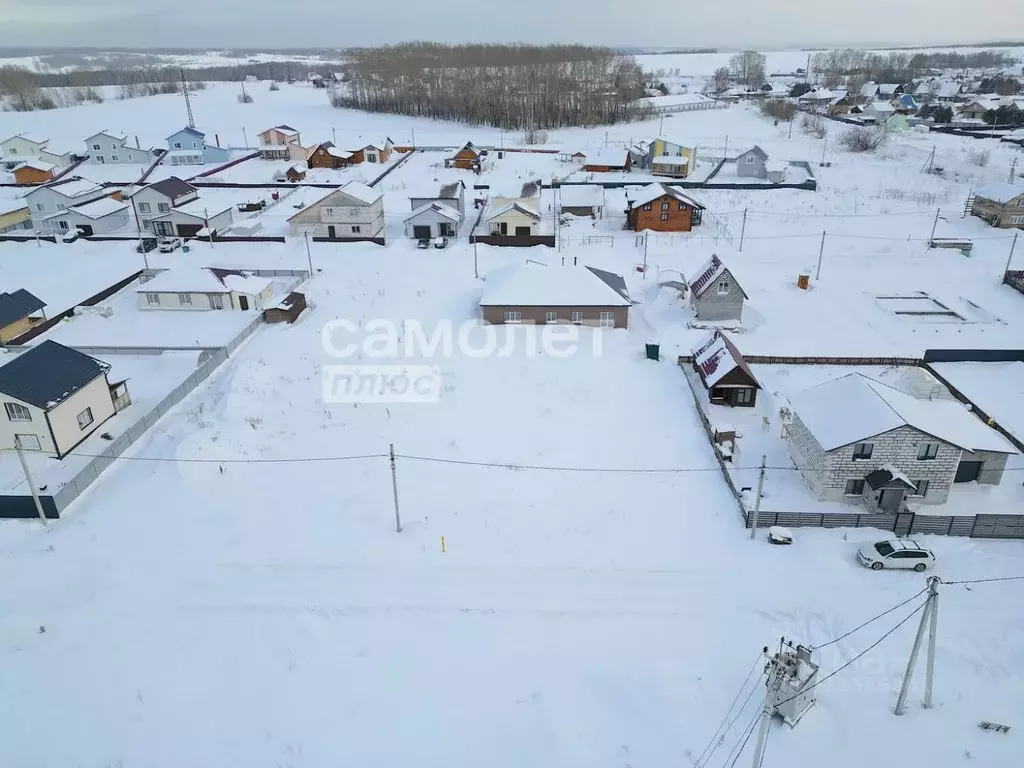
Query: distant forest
x=508, y=86
x=851, y=64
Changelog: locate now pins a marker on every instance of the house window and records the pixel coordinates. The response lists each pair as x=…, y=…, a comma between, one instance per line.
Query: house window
x=750, y=159
x=96, y=147
x=647, y=207
x=744, y=395
x=1020, y=203
x=185, y=298
x=113, y=158
x=723, y=287
x=329, y=211
x=145, y=208
x=152, y=298
x=40, y=207
x=607, y=320
x=664, y=217
x=1017, y=219
x=177, y=145
x=356, y=230
x=513, y=317
x=61, y=207
x=17, y=412
x=27, y=442
x=194, y=145
x=664, y=206
x=922, y=488
x=63, y=226
x=85, y=418
x=371, y=158
x=927, y=451
x=682, y=206
x=163, y=207
x=216, y=301
x=854, y=487
x=863, y=451
x=577, y=317
x=551, y=317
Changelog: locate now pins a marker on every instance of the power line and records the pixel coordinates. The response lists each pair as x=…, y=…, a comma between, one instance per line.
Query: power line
x=985, y=581
x=729, y=728
x=728, y=712
x=869, y=621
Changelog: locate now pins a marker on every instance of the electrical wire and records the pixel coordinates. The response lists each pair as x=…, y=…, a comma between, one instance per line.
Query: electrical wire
x=869, y=621
x=985, y=581
x=728, y=728
x=728, y=712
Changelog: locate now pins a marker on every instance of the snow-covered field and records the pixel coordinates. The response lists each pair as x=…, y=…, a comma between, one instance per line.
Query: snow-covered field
x=233, y=592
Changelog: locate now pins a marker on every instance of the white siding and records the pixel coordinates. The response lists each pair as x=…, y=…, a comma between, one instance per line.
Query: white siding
x=37, y=427
x=63, y=420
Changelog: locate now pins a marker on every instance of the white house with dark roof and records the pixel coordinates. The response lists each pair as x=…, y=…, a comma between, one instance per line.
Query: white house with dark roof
x=54, y=397
x=715, y=294
x=859, y=441
x=159, y=198
x=206, y=288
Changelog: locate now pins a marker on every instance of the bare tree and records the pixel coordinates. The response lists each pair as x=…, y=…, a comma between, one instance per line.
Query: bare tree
x=863, y=139
x=721, y=79
x=778, y=109
x=748, y=67
x=814, y=125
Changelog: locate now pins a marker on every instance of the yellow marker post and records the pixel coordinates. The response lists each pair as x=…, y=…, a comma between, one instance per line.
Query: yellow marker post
x=442, y=545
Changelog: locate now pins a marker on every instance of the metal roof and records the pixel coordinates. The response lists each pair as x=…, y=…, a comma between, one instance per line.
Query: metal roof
x=172, y=187
x=48, y=374
x=15, y=306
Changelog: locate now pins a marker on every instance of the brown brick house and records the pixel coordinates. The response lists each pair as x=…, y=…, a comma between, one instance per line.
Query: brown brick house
x=327, y=155
x=724, y=373
x=663, y=208
x=468, y=158
x=535, y=293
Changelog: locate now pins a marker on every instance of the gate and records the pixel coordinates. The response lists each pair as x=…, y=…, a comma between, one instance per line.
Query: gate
x=904, y=524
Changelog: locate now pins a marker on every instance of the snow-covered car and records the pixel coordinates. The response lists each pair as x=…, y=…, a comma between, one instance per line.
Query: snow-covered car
x=779, y=535
x=170, y=245
x=423, y=242
x=896, y=553
x=441, y=242
x=146, y=245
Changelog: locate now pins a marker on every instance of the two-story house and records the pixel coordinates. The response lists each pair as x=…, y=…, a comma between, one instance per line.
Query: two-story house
x=59, y=196
x=103, y=216
x=188, y=147
x=282, y=142
x=353, y=212
x=859, y=441
x=104, y=148
x=21, y=147
x=160, y=197
x=663, y=208
x=668, y=158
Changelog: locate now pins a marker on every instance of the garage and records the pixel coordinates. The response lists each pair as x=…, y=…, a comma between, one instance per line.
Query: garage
x=523, y=231
x=421, y=232
x=968, y=471
x=189, y=230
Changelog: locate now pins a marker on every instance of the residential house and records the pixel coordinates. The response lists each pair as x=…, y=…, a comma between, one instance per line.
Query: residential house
x=59, y=196
x=278, y=135
x=58, y=157
x=14, y=215
x=750, y=163
x=326, y=155
x=434, y=219
x=724, y=373
x=296, y=173
x=160, y=197
x=674, y=167
x=467, y=158
x=661, y=148
x=54, y=397
x=662, y=208
x=663, y=105
x=1000, y=204
x=19, y=311
x=534, y=293
x=104, y=148
x=21, y=147
x=976, y=109
x=639, y=156
x=715, y=294
x=905, y=104
x=841, y=103
x=287, y=310
x=34, y=171
x=608, y=160
x=889, y=91
x=188, y=147
x=817, y=99
x=879, y=110
x=513, y=217
x=374, y=153
x=282, y=142
x=352, y=212
x=195, y=218
x=581, y=200
x=453, y=195
x=97, y=217
x=869, y=91
x=859, y=441
x=207, y=288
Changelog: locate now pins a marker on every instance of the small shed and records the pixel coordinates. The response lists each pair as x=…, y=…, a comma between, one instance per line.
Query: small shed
x=581, y=200
x=724, y=373
x=715, y=294
x=296, y=173
x=34, y=172
x=608, y=160
x=287, y=310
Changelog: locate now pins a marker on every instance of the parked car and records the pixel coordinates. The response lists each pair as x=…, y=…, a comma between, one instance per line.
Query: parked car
x=146, y=245
x=896, y=553
x=440, y=242
x=71, y=235
x=423, y=242
x=779, y=535
x=170, y=245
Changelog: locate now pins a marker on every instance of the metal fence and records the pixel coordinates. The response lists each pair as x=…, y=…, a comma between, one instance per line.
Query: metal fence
x=904, y=524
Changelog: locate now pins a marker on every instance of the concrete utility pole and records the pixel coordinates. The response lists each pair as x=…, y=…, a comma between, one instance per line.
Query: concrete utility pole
x=743, y=228
x=725, y=153
x=1013, y=171
x=646, y=234
x=822, y=163
x=476, y=269
x=394, y=488
x=926, y=620
x=935, y=224
x=31, y=483
x=821, y=253
x=1009, y=258
x=245, y=137
x=309, y=256
x=757, y=501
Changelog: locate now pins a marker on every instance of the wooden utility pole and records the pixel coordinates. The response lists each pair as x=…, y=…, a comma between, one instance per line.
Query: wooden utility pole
x=743, y=228
x=1009, y=258
x=934, y=224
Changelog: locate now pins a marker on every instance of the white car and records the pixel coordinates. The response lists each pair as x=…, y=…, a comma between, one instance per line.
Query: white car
x=170, y=244
x=896, y=553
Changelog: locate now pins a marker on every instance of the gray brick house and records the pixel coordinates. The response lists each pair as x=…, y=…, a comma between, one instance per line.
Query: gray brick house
x=859, y=441
x=715, y=294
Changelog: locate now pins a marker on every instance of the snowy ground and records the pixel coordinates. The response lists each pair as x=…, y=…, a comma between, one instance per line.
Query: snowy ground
x=271, y=613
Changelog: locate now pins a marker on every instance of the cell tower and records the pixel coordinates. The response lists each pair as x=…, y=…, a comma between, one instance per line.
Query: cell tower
x=188, y=103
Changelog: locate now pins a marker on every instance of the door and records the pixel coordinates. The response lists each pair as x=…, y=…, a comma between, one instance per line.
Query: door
x=243, y=302
x=86, y=230
x=331, y=232
x=967, y=471
x=188, y=230
x=503, y=228
x=100, y=160
x=522, y=232
x=890, y=499
x=421, y=232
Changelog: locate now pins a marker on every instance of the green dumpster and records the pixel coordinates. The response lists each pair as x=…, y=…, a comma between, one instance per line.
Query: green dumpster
x=653, y=351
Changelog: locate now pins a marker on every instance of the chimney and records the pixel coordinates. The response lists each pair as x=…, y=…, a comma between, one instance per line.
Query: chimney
x=216, y=137
x=137, y=145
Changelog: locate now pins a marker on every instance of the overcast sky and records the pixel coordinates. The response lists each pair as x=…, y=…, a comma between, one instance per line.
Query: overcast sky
x=341, y=23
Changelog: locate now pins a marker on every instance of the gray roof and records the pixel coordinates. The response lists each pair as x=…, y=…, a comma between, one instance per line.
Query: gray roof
x=613, y=281
x=172, y=187
x=15, y=306
x=48, y=374
x=451, y=191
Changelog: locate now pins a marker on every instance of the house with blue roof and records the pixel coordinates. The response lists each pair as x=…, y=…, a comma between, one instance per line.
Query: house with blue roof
x=905, y=104
x=188, y=147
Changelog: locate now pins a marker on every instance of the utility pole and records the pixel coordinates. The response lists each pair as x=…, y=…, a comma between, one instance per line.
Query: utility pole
x=821, y=252
x=933, y=630
x=822, y=163
x=188, y=102
x=725, y=154
x=646, y=234
x=206, y=225
x=394, y=488
x=241, y=82
x=245, y=136
x=931, y=160
x=309, y=256
x=414, y=138
x=1009, y=258
x=790, y=128
x=926, y=620
x=476, y=270
x=743, y=228
x=757, y=501
x=334, y=135
x=31, y=482
x=661, y=126
x=1013, y=171
x=935, y=224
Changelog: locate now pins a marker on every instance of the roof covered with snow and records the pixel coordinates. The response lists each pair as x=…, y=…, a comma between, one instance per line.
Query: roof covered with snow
x=869, y=90
x=95, y=209
x=716, y=356
x=183, y=280
x=74, y=187
x=252, y=285
x=339, y=153
x=999, y=192
x=37, y=164
x=854, y=407
x=440, y=209
x=652, y=192
x=519, y=205
x=361, y=192
x=581, y=195
x=670, y=160
x=609, y=156
x=706, y=276
x=533, y=284
x=881, y=107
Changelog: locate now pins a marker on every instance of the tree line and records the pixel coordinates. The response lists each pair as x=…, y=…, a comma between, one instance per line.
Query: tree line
x=852, y=65
x=508, y=86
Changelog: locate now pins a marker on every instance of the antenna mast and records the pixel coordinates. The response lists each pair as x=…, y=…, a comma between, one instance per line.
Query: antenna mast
x=188, y=103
